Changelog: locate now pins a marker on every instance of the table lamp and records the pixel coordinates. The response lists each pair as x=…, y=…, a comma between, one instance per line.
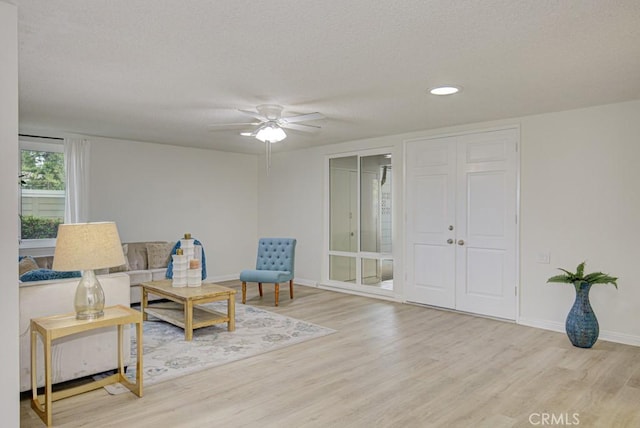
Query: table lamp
x=85, y=247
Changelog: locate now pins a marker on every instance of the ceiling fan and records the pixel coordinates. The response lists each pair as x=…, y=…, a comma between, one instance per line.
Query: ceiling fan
x=271, y=123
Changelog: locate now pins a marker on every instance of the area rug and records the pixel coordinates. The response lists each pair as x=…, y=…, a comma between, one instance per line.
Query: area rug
x=167, y=355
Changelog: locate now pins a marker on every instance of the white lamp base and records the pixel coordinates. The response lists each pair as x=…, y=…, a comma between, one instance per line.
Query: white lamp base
x=89, y=299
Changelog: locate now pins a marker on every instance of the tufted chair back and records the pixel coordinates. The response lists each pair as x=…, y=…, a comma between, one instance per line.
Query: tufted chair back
x=276, y=254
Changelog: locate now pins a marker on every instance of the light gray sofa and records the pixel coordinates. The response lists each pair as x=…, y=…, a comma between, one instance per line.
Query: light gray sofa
x=78, y=355
x=146, y=261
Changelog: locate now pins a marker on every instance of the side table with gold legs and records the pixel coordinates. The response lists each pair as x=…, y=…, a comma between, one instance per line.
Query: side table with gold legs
x=57, y=326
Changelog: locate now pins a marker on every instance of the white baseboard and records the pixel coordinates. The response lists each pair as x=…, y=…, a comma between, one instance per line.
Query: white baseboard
x=306, y=282
x=545, y=325
x=234, y=276
x=608, y=336
x=221, y=278
x=359, y=293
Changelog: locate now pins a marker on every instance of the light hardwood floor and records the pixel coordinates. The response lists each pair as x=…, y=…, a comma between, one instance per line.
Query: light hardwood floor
x=388, y=365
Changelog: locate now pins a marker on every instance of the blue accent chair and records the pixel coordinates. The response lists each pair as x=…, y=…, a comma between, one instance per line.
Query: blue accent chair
x=276, y=260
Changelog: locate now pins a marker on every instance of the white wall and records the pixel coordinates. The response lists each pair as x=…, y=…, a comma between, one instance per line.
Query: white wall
x=159, y=192
x=290, y=206
x=10, y=385
x=579, y=201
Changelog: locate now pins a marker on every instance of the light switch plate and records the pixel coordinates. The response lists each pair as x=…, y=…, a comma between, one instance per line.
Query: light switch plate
x=544, y=257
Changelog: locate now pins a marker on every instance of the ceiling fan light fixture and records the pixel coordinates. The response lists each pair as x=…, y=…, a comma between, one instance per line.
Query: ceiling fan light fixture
x=271, y=132
x=444, y=90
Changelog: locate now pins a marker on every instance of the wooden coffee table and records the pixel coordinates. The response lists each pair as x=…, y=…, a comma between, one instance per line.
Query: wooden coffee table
x=183, y=310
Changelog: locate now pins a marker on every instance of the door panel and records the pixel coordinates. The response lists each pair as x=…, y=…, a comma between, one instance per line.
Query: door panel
x=342, y=208
x=467, y=184
x=369, y=212
x=359, y=195
x=431, y=218
x=486, y=205
x=486, y=220
x=342, y=219
x=430, y=186
x=433, y=282
x=484, y=273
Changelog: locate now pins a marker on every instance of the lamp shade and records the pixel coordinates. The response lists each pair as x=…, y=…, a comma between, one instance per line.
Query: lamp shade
x=87, y=246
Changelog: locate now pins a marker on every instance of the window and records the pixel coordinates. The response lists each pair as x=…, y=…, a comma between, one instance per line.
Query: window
x=360, y=221
x=42, y=192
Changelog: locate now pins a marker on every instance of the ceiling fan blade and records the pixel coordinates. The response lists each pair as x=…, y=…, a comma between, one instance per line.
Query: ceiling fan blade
x=249, y=134
x=235, y=124
x=302, y=117
x=301, y=127
x=255, y=114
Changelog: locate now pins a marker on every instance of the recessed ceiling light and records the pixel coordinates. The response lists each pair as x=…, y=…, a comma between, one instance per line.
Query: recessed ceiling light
x=444, y=90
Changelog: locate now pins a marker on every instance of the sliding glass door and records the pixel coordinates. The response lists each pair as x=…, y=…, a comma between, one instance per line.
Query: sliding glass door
x=360, y=221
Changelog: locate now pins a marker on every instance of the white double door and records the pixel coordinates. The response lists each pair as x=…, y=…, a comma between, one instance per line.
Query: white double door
x=461, y=222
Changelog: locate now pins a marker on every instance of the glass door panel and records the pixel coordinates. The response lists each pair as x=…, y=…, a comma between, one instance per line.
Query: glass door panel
x=343, y=182
x=378, y=272
x=342, y=269
x=375, y=203
x=360, y=221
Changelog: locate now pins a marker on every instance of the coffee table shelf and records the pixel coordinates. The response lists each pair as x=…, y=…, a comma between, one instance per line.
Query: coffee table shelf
x=173, y=313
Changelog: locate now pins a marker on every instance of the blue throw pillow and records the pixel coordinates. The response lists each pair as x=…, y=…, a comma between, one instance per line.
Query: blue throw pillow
x=47, y=274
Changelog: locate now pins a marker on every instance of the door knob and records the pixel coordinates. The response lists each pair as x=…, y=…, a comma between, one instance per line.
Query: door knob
x=449, y=241
x=460, y=242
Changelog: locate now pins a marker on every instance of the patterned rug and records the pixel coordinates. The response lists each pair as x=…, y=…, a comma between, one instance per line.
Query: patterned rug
x=167, y=355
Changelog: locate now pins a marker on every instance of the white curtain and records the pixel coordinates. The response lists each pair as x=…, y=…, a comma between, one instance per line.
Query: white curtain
x=76, y=163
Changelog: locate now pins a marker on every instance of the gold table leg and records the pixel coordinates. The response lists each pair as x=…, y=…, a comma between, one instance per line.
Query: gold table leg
x=139, y=359
x=188, y=320
x=42, y=408
x=231, y=311
x=145, y=303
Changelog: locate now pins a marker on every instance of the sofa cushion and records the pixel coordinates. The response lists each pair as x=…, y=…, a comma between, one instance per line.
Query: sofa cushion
x=125, y=267
x=158, y=254
x=139, y=276
x=268, y=276
x=137, y=254
x=44, y=262
x=48, y=274
x=26, y=264
x=158, y=274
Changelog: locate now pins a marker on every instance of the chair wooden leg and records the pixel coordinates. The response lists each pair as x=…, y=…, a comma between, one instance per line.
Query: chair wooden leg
x=277, y=292
x=291, y=288
x=244, y=292
x=260, y=288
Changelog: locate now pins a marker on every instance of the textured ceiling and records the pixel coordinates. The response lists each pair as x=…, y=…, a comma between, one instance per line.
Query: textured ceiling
x=163, y=71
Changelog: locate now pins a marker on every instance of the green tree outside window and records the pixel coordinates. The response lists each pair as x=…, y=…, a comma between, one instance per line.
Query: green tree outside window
x=41, y=170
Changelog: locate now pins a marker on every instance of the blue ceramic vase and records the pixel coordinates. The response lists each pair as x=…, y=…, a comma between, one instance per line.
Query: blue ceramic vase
x=582, y=324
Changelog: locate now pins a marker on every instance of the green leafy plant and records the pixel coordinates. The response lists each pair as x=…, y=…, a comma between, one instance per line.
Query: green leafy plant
x=33, y=227
x=578, y=278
